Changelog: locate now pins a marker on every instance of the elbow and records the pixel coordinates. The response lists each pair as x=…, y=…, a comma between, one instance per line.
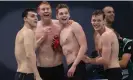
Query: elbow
x=85, y=48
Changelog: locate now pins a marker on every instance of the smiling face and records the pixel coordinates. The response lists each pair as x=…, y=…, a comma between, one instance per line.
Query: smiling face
x=109, y=14
x=97, y=22
x=63, y=15
x=45, y=11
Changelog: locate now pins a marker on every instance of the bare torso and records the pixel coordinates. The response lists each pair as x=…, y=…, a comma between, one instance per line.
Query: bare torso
x=20, y=54
x=46, y=57
x=69, y=44
x=114, y=62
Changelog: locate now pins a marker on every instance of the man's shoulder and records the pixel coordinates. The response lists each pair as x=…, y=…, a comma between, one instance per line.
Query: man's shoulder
x=107, y=34
x=28, y=32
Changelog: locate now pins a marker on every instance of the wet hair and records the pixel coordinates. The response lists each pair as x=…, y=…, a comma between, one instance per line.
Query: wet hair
x=59, y=6
x=25, y=12
x=98, y=12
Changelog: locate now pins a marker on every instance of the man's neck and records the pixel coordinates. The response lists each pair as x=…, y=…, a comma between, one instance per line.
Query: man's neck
x=28, y=26
x=46, y=22
x=64, y=25
x=108, y=24
x=102, y=30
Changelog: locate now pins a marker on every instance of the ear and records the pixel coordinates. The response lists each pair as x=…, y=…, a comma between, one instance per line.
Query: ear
x=25, y=19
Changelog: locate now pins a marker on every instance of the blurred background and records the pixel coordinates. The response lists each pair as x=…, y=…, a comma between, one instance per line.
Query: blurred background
x=11, y=22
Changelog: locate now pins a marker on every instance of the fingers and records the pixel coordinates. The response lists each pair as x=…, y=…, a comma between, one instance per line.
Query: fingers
x=70, y=74
x=40, y=39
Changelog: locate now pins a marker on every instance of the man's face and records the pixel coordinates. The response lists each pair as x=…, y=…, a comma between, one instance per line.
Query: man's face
x=45, y=11
x=31, y=19
x=97, y=22
x=109, y=14
x=63, y=15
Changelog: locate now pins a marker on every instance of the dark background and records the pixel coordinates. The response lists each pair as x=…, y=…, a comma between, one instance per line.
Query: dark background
x=11, y=22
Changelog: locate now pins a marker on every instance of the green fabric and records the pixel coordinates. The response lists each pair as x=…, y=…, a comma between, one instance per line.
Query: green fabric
x=122, y=45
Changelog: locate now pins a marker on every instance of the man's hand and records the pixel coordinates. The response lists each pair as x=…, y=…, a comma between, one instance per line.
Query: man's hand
x=56, y=44
x=71, y=71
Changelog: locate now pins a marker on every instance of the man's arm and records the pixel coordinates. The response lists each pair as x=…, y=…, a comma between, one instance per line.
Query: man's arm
x=106, y=49
x=29, y=44
x=87, y=59
x=125, y=59
x=126, y=56
x=41, y=35
x=81, y=38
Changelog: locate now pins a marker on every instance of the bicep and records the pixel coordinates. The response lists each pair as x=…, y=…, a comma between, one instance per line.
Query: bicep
x=106, y=48
x=79, y=34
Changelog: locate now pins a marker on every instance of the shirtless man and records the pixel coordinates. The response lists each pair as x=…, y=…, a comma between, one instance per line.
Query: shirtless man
x=49, y=61
x=108, y=47
x=124, y=52
x=73, y=43
x=109, y=19
x=25, y=46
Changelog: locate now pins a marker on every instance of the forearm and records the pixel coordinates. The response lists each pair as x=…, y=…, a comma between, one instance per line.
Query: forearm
x=32, y=63
x=101, y=61
x=80, y=55
x=122, y=64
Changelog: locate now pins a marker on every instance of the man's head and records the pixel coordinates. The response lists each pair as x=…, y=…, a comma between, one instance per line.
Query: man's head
x=62, y=13
x=30, y=16
x=109, y=14
x=44, y=10
x=97, y=19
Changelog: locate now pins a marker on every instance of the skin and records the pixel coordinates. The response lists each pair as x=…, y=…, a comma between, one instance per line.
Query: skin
x=25, y=46
x=48, y=28
x=109, y=15
x=109, y=19
x=108, y=46
x=72, y=40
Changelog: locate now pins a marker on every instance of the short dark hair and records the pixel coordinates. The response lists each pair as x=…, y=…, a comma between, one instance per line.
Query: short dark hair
x=59, y=6
x=25, y=12
x=98, y=12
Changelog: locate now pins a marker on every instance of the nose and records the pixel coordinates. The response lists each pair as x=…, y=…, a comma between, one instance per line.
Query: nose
x=46, y=11
x=36, y=18
x=112, y=13
x=64, y=15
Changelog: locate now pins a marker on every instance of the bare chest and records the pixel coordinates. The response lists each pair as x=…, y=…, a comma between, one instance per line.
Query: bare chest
x=66, y=36
x=49, y=32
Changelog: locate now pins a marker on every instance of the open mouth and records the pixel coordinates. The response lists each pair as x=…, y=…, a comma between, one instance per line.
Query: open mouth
x=46, y=15
x=96, y=26
x=64, y=19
